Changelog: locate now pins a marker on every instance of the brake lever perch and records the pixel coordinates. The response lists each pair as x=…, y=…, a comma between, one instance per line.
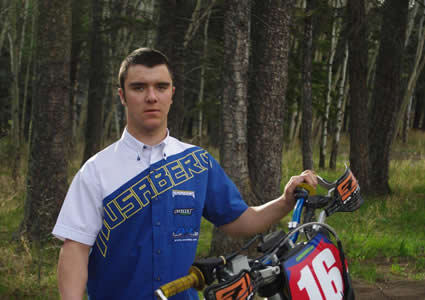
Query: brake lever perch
x=325, y=184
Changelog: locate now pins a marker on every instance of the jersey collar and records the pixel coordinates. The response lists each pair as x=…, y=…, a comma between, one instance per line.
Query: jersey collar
x=139, y=146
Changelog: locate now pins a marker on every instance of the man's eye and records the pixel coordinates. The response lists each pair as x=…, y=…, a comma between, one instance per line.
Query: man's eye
x=140, y=88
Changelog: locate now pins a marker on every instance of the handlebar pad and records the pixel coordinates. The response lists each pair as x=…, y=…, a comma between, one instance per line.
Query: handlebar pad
x=195, y=279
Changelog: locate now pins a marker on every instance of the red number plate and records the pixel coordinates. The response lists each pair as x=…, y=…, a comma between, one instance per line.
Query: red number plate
x=315, y=272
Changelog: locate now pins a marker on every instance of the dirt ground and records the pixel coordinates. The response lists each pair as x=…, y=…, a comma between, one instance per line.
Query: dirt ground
x=399, y=289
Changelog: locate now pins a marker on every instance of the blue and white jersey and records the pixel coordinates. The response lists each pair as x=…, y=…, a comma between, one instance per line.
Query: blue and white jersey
x=140, y=209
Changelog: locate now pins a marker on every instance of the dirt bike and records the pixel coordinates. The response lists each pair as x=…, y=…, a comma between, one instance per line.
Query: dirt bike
x=312, y=269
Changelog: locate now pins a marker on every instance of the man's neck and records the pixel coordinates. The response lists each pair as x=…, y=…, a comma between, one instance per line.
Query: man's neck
x=149, y=138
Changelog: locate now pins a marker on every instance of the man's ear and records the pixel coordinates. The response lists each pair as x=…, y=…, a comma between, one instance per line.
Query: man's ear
x=121, y=92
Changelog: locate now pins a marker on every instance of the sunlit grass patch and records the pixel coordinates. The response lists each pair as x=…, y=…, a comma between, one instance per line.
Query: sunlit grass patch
x=27, y=271
x=365, y=271
x=392, y=226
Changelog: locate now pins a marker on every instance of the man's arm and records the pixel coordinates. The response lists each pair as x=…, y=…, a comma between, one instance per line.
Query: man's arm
x=257, y=219
x=72, y=270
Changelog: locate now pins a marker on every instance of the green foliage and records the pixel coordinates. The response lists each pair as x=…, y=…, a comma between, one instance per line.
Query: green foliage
x=386, y=228
x=383, y=240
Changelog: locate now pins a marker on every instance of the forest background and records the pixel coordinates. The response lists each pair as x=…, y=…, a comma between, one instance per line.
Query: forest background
x=269, y=87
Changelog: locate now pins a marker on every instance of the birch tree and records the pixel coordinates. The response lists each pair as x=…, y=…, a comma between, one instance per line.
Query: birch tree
x=325, y=129
x=340, y=105
x=202, y=79
x=418, y=66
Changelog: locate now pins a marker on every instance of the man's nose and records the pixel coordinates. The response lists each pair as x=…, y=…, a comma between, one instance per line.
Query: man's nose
x=151, y=94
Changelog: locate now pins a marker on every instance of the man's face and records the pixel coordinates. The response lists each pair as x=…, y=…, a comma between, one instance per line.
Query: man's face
x=148, y=97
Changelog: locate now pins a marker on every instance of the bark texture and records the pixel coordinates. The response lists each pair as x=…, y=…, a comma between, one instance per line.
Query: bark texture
x=47, y=168
x=307, y=114
x=269, y=79
x=387, y=98
x=97, y=84
x=234, y=147
x=173, y=22
x=358, y=70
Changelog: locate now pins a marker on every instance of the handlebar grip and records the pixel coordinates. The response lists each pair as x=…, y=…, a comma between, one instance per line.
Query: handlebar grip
x=311, y=190
x=195, y=279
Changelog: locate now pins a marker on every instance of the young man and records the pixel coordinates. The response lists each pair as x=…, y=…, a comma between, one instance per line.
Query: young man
x=131, y=219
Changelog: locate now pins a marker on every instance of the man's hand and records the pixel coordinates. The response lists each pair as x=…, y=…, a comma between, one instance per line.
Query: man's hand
x=257, y=219
x=308, y=176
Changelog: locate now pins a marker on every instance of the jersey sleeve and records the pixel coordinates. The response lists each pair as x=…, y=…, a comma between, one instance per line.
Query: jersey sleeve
x=224, y=203
x=80, y=218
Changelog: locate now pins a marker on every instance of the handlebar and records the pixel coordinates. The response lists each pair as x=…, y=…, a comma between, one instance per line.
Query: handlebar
x=195, y=279
x=302, y=192
x=343, y=196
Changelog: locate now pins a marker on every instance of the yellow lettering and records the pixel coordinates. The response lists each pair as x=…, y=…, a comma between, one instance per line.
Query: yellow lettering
x=113, y=215
x=128, y=203
x=177, y=173
x=192, y=165
x=102, y=239
x=161, y=180
x=144, y=191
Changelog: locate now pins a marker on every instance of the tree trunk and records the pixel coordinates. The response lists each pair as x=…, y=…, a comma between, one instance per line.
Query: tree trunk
x=419, y=106
x=26, y=114
x=339, y=113
x=47, y=167
x=80, y=12
x=23, y=110
x=234, y=147
x=14, y=50
x=151, y=12
x=173, y=24
x=358, y=70
x=267, y=97
x=307, y=116
x=407, y=121
x=411, y=21
x=3, y=32
x=203, y=79
x=97, y=84
x=325, y=128
x=418, y=66
x=292, y=124
x=298, y=121
x=387, y=98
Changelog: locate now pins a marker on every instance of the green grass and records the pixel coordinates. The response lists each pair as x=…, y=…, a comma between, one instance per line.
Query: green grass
x=383, y=240
x=388, y=228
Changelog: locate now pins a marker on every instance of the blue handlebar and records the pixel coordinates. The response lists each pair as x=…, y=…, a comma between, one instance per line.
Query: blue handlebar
x=296, y=216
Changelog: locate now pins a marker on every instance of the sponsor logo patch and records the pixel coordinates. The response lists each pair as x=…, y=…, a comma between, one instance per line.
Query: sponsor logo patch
x=183, y=211
x=183, y=193
x=185, y=235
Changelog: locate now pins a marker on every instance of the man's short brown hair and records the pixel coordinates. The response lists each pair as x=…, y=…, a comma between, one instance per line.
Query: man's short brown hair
x=143, y=56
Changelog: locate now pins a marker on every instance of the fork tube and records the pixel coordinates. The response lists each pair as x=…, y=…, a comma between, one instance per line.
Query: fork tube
x=296, y=217
x=321, y=219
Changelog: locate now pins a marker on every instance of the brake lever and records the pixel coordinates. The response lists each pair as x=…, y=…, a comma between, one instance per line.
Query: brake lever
x=325, y=184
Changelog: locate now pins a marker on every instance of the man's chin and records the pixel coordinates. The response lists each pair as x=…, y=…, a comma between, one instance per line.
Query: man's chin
x=152, y=126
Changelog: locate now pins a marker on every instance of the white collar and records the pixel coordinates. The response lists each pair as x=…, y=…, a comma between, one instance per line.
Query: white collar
x=139, y=146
